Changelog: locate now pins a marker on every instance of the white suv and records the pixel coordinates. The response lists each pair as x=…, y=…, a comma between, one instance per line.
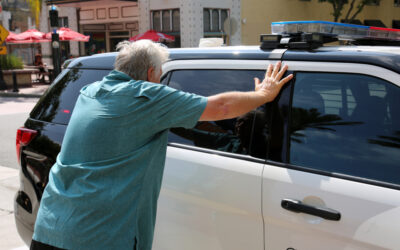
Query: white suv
x=318, y=168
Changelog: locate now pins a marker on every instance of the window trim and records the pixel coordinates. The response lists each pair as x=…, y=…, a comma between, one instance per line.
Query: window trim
x=353, y=68
x=217, y=64
x=217, y=152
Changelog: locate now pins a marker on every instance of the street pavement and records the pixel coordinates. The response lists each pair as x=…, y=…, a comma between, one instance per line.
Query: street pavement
x=9, y=183
x=12, y=105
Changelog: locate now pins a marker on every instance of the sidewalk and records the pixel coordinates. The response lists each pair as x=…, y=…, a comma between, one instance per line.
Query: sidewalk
x=36, y=91
x=9, y=184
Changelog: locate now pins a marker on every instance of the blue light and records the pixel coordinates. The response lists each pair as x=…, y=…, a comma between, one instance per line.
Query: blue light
x=322, y=22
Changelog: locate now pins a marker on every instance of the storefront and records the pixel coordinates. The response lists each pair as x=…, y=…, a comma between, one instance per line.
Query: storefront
x=106, y=22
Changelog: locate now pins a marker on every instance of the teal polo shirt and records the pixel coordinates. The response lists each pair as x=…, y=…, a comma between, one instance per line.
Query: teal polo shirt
x=103, y=189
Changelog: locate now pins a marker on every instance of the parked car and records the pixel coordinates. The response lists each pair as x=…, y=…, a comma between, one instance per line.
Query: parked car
x=318, y=168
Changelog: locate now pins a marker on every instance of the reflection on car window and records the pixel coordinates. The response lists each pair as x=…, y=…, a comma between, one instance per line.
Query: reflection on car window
x=232, y=135
x=346, y=123
x=57, y=105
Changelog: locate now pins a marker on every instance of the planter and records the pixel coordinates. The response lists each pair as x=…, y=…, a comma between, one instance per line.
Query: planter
x=24, y=77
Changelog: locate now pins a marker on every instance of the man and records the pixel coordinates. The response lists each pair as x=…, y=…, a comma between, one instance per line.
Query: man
x=102, y=191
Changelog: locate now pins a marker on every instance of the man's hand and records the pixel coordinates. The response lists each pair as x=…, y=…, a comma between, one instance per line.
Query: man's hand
x=232, y=104
x=272, y=83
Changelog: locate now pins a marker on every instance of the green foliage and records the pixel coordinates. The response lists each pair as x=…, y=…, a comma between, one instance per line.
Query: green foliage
x=10, y=62
x=356, y=6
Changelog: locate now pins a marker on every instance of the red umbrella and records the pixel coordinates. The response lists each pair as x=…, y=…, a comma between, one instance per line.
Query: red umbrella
x=154, y=36
x=29, y=36
x=67, y=34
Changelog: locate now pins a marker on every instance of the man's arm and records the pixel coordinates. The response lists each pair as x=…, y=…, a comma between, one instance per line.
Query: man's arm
x=232, y=104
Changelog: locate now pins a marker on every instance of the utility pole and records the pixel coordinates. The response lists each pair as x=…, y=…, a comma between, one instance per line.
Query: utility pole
x=55, y=41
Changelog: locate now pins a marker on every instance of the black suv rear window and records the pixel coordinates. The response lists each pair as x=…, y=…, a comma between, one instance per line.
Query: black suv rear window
x=57, y=104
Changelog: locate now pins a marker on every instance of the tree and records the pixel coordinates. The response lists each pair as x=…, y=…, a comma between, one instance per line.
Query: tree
x=356, y=6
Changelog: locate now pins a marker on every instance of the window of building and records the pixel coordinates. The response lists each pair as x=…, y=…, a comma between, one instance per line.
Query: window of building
x=62, y=22
x=396, y=24
x=168, y=22
x=346, y=124
x=176, y=21
x=232, y=135
x=374, y=2
x=156, y=20
x=214, y=20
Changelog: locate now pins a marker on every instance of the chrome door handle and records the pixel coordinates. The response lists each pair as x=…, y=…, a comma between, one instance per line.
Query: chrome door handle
x=298, y=207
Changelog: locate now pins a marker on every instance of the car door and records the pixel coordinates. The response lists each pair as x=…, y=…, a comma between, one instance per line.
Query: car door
x=332, y=180
x=211, y=191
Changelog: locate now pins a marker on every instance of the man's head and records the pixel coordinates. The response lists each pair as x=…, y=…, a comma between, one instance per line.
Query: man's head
x=141, y=60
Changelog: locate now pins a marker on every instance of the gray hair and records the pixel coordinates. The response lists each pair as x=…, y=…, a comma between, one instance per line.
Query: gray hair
x=136, y=58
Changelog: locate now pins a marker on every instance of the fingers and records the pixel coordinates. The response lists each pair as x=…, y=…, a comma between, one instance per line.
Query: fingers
x=286, y=79
x=256, y=82
x=269, y=70
x=276, y=69
x=281, y=72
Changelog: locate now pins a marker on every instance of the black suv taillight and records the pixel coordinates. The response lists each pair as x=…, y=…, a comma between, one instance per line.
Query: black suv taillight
x=24, y=137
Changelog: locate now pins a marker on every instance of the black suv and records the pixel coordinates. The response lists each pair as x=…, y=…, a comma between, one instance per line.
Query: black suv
x=319, y=166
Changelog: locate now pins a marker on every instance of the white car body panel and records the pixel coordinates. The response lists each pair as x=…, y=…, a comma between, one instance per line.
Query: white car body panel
x=369, y=214
x=210, y=202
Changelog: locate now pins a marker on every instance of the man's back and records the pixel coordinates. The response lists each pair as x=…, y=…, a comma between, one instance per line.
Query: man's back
x=112, y=158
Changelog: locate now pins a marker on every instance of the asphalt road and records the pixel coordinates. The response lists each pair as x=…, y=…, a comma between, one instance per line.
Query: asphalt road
x=13, y=113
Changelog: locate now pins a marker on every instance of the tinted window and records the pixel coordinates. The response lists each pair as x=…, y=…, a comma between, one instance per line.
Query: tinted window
x=58, y=103
x=346, y=123
x=233, y=135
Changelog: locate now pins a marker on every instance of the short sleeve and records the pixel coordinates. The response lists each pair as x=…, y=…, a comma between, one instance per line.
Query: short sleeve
x=175, y=108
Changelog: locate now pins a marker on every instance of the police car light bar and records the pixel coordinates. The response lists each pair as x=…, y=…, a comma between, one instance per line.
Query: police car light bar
x=343, y=31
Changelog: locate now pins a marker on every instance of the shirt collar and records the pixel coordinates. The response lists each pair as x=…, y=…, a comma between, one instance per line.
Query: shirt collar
x=119, y=76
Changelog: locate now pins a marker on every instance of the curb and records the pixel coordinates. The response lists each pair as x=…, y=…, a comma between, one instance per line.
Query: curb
x=16, y=94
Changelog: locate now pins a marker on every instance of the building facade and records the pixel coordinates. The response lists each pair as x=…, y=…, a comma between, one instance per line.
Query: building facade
x=112, y=21
x=257, y=15
x=190, y=20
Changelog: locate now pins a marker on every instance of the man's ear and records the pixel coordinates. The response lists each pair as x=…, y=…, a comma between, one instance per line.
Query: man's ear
x=150, y=74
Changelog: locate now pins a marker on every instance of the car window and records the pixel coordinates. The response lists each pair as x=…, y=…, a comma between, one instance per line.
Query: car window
x=57, y=104
x=232, y=135
x=347, y=124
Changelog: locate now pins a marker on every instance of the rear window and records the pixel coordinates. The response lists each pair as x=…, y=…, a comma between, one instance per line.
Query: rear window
x=57, y=104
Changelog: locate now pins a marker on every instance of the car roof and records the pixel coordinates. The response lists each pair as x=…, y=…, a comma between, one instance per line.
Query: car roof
x=383, y=56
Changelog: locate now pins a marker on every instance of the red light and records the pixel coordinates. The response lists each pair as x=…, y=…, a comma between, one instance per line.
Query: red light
x=24, y=137
x=384, y=29
x=66, y=111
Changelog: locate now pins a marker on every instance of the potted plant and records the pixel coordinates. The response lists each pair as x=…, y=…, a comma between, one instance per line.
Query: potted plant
x=11, y=64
